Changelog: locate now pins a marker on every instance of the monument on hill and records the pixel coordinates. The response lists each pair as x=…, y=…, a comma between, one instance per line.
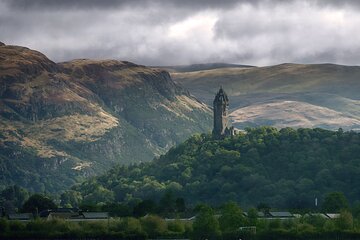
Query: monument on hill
x=222, y=126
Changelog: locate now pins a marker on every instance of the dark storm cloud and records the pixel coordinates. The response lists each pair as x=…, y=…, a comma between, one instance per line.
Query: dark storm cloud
x=166, y=32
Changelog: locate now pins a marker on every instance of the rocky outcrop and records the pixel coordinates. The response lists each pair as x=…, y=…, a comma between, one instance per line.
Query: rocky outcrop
x=79, y=118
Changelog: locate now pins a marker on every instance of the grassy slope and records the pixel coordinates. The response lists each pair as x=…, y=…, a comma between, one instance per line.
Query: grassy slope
x=328, y=86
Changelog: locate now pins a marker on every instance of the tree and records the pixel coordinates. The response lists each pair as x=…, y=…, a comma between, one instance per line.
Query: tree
x=252, y=216
x=231, y=218
x=206, y=226
x=334, y=202
x=167, y=202
x=38, y=202
x=99, y=194
x=180, y=205
x=117, y=209
x=14, y=195
x=356, y=210
x=144, y=207
x=263, y=207
x=70, y=198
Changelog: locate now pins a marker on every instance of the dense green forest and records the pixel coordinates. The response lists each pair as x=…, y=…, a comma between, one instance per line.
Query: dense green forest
x=284, y=168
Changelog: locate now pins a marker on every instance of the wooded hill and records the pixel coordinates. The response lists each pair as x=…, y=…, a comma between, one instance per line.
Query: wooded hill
x=284, y=168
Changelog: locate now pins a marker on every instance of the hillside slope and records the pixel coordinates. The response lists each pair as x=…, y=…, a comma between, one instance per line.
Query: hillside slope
x=330, y=86
x=294, y=114
x=61, y=122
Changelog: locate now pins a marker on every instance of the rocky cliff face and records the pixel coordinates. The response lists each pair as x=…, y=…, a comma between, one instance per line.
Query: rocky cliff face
x=62, y=122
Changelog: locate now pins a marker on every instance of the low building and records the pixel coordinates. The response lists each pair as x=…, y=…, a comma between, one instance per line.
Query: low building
x=324, y=215
x=73, y=214
x=281, y=215
x=273, y=215
x=332, y=215
x=21, y=216
x=95, y=215
x=190, y=219
x=89, y=216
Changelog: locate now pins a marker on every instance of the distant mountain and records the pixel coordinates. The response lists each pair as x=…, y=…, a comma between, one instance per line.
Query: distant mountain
x=202, y=66
x=61, y=122
x=310, y=88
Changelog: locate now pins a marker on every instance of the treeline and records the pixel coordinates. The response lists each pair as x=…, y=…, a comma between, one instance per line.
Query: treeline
x=284, y=168
x=227, y=222
x=148, y=219
x=124, y=228
x=15, y=199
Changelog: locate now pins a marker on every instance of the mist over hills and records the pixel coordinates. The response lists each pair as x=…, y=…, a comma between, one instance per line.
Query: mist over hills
x=61, y=122
x=322, y=95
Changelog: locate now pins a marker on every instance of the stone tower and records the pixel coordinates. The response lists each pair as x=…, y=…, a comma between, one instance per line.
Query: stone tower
x=221, y=123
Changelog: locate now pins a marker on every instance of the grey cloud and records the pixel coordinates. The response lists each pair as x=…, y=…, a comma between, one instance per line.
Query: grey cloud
x=338, y=3
x=247, y=32
x=198, y=4
x=293, y=32
x=106, y=4
x=65, y=4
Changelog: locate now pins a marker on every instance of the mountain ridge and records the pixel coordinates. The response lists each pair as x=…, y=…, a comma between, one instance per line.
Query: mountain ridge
x=78, y=118
x=201, y=67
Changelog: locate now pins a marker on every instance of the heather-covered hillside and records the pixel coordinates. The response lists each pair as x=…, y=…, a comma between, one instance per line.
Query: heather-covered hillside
x=61, y=122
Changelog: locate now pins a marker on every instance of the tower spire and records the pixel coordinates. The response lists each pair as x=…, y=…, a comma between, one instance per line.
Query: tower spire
x=221, y=123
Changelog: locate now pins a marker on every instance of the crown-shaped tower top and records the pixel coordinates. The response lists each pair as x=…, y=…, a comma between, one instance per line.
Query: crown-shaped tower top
x=221, y=97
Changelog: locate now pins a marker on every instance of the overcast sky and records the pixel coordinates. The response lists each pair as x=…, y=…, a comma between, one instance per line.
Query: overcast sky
x=170, y=32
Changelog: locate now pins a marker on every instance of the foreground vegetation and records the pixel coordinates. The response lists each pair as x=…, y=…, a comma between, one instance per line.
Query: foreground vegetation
x=228, y=223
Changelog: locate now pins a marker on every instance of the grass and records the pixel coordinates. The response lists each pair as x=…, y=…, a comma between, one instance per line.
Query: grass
x=284, y=78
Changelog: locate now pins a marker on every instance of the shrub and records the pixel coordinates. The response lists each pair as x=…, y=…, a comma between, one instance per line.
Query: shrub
x=345, y=221
x=3, y=226
x=154, y=226
x=132, y=226
x=176, y=226
x=94, y=229
x=275, y=224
